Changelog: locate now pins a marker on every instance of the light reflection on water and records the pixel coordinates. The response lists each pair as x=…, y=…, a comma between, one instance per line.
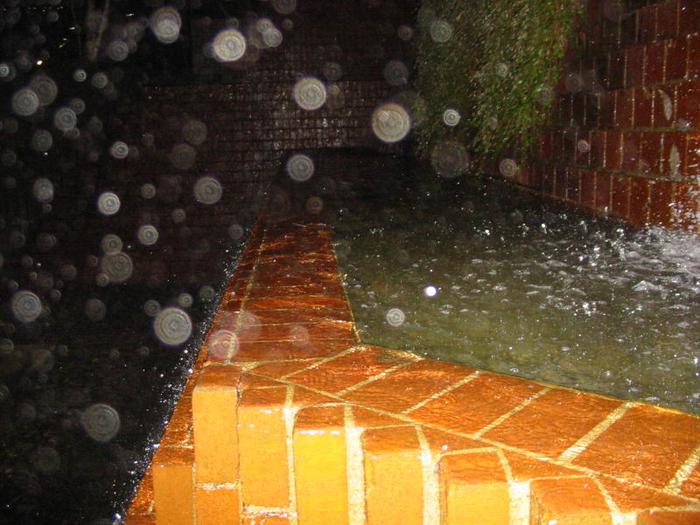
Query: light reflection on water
x=522, y=290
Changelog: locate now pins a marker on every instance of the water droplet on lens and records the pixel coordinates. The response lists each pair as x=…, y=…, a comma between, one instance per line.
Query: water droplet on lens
x=441, y=31
x=332, y=71
x=194, y=132
x=451, y=117
x=172, y=326
x=65, y=119
x=166, y=23
x=300, y=167
x=396, y=73
x=284, y=7
x=391, y=122
x=222, y=345
x=42, y=140
x=314, y=205
x=208, y=190
x=508, y=168
x=108, y=203
x=79, y=75
x=43, y=190
x=395, y=317
x=45, y=88
x=235, y=231
x=119, y=150
x=151, y=307
x=450, y=159
x=148, y=191
x=309, y=93
x=182, y=156
x=207, y=293
x=25, y=102
x=95, y=310
x=117, y=266
x=147, y=235
x=229, y=45
x=101, y=422
x=185, y=300
x=405, y=33
x=26, y=306
x=118, y=50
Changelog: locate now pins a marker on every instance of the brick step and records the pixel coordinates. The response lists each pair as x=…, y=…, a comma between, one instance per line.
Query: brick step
x=300, y=424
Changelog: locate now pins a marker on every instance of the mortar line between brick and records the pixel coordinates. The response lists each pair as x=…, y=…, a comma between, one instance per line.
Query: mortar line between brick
x=684, y=471
x=609, y=501
x=442, y=392
x=584, y=442
x=581, y=470
x=289, y=414
x=431, y=481
x=261, y=510
x=512, y=412
x=355, y=469
x=374, y=378
x=322, y=361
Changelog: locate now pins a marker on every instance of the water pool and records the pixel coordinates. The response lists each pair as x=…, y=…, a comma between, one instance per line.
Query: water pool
x=488, y=276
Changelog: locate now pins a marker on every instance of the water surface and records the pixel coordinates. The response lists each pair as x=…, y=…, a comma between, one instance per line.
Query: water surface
x=488, y=276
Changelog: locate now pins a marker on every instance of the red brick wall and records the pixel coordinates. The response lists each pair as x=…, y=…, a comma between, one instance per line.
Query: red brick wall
x=638, y=111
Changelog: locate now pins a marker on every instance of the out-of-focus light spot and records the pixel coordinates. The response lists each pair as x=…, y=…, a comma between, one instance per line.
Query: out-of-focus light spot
x=95, y=309
x=147, y=235
x=185, y=300
x=236, y=232
x=441, y=31
x=508, y=168
x=451, y=117
x=314, y=205
x=172, y=326
x=332, y=71
x=229, y=45
x=43, y=190
x=148, y=191
x=395, y=317
x=151, y=307
x=194, y=132
x=309, y=93
x=222, y=345
x=391, y=122
x=108, y=203
x=208, y=190
x=117, y=266
x=449, y=159
x=166, y=24
x=111, y=243
x=119, y=150
x=25, y=102
x=182, y=156
x=65, y=119
x=26, y=306
x=404, y=32
x=284, y=7
x=396, y=73
x=300, y=167
x=101, y=422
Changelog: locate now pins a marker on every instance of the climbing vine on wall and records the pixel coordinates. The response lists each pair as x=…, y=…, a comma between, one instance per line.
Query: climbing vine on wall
x=496, y=62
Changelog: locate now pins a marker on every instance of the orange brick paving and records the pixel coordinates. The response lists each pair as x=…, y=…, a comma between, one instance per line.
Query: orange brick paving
x=289, y=419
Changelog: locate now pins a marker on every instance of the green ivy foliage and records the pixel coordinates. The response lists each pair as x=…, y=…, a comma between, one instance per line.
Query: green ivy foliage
x=498, y=69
